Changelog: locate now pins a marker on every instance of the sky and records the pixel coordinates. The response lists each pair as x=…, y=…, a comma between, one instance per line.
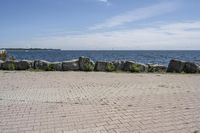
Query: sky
x=100, y=24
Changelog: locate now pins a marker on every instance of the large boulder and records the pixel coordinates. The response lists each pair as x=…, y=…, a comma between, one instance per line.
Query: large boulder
x=55, y=66
x=100, y=66
x=71, y=65
x=41, y=65
x=127, y=65
x=9, y=65
x=86, y=64
x=119, y=65
x=1, y=62
x=135, y=67
x=156, y=68
x=16, y=65
x=191, y=67
x=104, y=66
x=24, y=64
x=176, y=66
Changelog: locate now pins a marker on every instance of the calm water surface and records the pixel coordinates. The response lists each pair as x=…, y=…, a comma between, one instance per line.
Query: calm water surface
x=159, y=57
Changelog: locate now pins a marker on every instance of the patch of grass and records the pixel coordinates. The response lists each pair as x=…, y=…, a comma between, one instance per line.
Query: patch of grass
x=135, y=68
x=110, y=67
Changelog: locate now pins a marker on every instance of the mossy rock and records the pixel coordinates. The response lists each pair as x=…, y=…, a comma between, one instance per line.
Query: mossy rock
x=132, y=66
x=89, y=67
x=135, y=68
x=86, y=64
x=110, y=67
x=50, y=67
x=54, y=66
x=156, y=68
x=11, y=66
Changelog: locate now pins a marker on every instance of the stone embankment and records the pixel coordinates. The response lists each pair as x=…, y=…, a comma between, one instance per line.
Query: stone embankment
x=86, y=64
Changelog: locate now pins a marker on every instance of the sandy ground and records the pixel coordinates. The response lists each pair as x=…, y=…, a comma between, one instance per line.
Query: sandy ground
x=99, y=102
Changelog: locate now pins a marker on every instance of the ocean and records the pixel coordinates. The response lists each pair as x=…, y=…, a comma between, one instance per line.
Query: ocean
x=142, y=56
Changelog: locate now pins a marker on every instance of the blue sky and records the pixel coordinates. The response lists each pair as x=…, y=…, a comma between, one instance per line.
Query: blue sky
x=100, y=24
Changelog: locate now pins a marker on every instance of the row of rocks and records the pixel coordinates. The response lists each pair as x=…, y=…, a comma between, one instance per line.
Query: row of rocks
x=86, y=64
x=179, y=66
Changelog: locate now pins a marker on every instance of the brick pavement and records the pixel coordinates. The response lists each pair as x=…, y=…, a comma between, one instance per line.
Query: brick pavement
x=80, y=102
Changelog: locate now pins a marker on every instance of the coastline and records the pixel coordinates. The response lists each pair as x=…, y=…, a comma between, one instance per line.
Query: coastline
x=154, y=57
x=86, y=64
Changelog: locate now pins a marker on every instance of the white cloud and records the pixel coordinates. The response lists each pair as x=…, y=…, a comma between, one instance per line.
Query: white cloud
x=103, y=1
x=135, y=15
x=182, y=35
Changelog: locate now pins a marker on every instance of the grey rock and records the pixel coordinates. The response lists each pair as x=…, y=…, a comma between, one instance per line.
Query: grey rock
x=135, y=67
x=41, y=65
x=191, y=67
x=127, y=65
x=71, y=65
x=17, y=65
x=24, y=64
x=156, y=68
x=86, y=64
x=104, y=66
x=119, y=65
x=100, y=66
x=1, y=62
x=55, y=66
x=176, y=66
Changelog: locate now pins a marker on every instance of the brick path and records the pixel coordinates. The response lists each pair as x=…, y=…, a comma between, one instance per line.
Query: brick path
x=79, y=102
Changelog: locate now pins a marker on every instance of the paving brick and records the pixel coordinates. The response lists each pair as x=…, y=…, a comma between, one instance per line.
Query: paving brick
x=78, y=102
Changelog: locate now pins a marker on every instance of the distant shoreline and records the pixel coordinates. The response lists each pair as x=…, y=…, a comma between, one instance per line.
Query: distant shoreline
x=23, y=49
